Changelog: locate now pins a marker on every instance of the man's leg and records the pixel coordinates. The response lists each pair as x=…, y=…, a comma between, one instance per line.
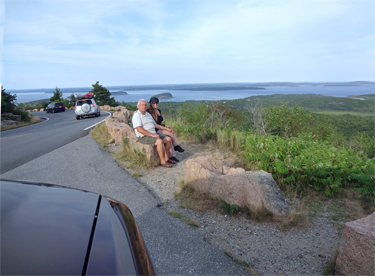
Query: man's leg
x=167, y=146
x=159, y=148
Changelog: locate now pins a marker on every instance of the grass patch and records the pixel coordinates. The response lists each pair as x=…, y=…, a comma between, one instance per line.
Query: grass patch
x=329, y=269
x=33, y=120
x=137, y=175
x=194, y=200
x=242, y=263
x=101, y=135
x=189, y=222
x=261, y=214
x=294, y=220
x=136, y=158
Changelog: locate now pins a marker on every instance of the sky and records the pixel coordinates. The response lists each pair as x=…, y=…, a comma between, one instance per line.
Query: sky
x=74, y=43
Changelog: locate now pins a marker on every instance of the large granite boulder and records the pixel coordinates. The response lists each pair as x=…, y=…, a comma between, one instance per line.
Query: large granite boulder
x=121, y=130
x=251, y=189
x=106, y=107
x=149, y=151
x=122, y=115
x=357, y=250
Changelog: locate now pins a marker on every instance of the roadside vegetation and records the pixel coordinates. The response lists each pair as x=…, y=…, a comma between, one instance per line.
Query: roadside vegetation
x=301, y=152
x=304, y=151
x=307, y=153
x=8, y=105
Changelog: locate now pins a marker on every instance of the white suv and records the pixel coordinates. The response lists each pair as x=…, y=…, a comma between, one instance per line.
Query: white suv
x=86, y=106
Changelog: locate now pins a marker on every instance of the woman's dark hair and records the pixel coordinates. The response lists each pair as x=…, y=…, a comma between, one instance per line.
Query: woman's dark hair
x=151, y=109
x=154, y=100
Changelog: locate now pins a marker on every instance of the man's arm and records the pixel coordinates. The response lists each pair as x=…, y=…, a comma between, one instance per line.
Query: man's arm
x=142, y=131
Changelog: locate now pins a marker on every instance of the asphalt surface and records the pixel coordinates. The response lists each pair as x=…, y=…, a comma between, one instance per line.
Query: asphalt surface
x=175, y=248
x=21, y=145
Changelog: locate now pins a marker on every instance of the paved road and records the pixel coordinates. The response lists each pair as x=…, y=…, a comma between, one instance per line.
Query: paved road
x=174, y=247
x=21, y=145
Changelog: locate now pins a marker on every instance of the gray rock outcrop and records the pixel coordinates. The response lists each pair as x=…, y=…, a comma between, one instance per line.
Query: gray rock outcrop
x=357, y=250
x=10, y=116
x=10, y=119
x=251, y=189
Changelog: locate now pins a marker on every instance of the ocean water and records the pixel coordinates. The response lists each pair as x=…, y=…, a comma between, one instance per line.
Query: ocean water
x=183, y=95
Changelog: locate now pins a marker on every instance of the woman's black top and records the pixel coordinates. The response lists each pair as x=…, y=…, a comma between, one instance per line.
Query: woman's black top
x=160, y=118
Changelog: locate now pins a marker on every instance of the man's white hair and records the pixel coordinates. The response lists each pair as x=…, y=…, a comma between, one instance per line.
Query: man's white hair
x=141, y=100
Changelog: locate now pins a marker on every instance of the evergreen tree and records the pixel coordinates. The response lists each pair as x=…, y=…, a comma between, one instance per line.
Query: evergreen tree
x=102, y=95
x=57, y=96
x=70, y=101
x=7, y=101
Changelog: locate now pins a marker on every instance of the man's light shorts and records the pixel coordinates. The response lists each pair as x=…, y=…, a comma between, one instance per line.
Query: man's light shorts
x=148, y=140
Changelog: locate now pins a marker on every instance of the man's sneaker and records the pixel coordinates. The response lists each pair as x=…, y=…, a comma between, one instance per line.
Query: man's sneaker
x=178, y=148
x=174, y=159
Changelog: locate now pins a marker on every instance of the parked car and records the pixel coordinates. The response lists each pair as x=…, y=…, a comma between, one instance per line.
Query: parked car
x=86, y=106
x=54, y=230
x=55, y=107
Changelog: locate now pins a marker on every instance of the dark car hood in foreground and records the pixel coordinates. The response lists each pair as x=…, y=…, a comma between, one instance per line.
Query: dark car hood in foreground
x=52, y=230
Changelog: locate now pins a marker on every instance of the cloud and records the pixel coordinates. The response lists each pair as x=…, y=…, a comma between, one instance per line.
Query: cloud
x=177, y=40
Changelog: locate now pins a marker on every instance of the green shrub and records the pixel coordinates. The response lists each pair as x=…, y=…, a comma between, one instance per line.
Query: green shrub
x=129, y=106
x=289, y=122
x=305, y=162
x=7, y=101
x=363, y=142
x=25, y=116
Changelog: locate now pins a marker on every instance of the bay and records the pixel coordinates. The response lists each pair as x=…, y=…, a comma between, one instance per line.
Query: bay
x=185, y=95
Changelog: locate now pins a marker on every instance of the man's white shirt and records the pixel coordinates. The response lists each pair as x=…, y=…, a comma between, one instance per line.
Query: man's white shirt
x=146, y=121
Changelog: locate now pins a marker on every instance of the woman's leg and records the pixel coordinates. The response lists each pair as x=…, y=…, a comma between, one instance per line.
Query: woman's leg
x=172, y=152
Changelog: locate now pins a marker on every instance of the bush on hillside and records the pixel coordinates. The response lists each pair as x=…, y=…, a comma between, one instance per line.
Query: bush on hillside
x=289, y=122
x=25, y=116
x=362, y=142
x=7, y=101
x=306, y=162
x=204, y=121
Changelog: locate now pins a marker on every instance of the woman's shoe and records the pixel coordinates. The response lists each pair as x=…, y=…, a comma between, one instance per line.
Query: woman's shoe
x=170, y=161
x=174, y=159
x=178, y=148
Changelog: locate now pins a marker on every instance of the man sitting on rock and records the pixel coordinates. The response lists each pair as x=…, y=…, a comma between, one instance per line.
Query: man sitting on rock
x=144, y=126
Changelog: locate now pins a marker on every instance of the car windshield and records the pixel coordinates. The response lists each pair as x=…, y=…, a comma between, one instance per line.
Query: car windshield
x=79, y=103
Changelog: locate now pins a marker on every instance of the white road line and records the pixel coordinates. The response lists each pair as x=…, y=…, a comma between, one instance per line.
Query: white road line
x=94, y=125
x=97, y=123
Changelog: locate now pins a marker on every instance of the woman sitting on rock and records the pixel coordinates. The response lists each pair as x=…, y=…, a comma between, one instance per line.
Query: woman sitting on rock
x=156, y=114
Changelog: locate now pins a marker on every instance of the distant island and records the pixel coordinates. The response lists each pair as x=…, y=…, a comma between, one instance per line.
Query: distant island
x=119, y=93
x=218, y=88
x=163, y=96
